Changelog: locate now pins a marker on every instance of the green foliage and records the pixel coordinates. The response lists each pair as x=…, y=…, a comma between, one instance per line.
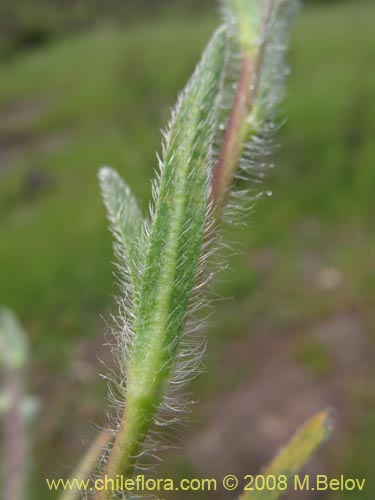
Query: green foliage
x=295, y=455
x=172, y=254
x=126, y=223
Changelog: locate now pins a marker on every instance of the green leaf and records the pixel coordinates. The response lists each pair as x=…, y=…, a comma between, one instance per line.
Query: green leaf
x=295, y=455
x=126, y=223
x=173, y=253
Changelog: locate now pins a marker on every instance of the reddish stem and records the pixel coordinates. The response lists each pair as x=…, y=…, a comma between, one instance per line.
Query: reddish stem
x=234, y=137
x=232, y=143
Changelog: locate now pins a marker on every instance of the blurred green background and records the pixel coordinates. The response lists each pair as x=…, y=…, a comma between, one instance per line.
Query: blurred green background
x=85, y=84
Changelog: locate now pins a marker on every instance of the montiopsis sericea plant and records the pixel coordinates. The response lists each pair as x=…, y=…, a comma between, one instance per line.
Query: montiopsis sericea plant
x=220, y=132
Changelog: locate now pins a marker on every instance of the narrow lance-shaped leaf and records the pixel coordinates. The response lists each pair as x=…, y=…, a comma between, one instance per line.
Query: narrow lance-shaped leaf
x=259, y=32
x=173, y=254
x=126, y=223
x=294, y=456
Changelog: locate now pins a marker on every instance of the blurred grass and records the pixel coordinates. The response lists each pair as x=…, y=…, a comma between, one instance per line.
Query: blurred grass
x=101, y=97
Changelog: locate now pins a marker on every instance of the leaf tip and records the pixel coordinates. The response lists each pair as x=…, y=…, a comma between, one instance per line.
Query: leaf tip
x=325, y=420
x=105, y=173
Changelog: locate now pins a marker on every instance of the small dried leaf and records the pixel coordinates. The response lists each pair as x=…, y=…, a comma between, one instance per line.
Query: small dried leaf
x=295, y=455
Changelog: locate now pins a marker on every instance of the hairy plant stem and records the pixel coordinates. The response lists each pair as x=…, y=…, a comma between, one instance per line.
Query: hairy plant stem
x=236, y=133
x=125, y=451
x=224, y=172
